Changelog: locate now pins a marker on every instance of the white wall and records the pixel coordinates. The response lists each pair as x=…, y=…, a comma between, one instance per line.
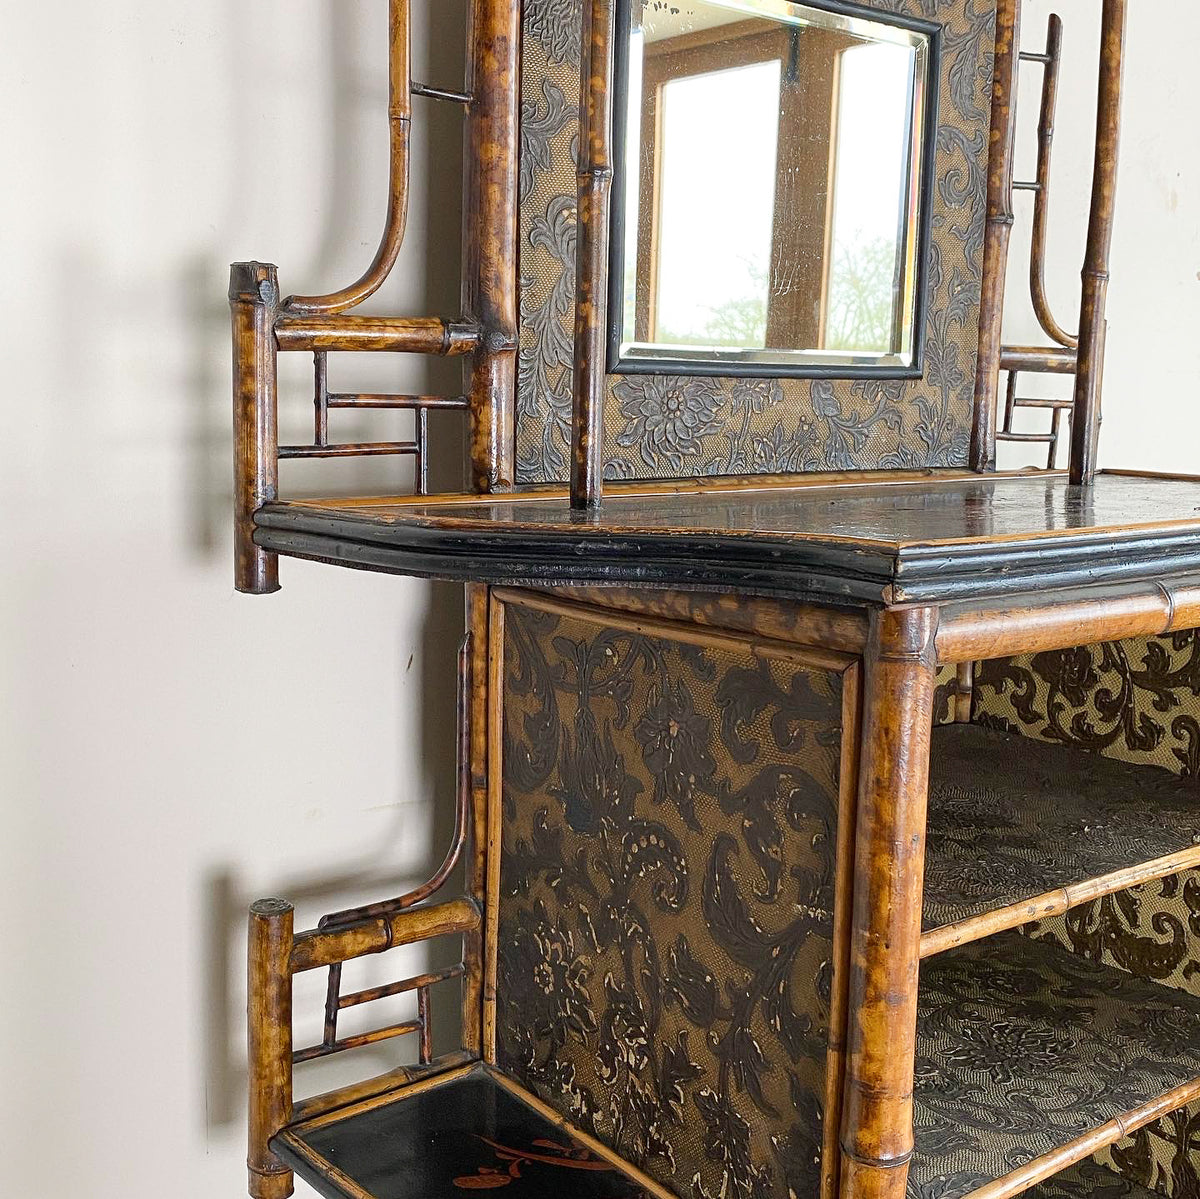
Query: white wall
x=171, y=750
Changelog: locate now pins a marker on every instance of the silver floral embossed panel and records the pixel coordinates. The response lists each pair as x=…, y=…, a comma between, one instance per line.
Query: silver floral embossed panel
x=661, y=426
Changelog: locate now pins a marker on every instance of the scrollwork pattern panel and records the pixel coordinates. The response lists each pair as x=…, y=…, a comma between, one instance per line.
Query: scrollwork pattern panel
x=664, y=426
x=670, y=818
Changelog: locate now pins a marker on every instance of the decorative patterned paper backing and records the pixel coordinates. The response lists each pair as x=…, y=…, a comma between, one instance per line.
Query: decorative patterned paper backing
x=666, y=897
x=659, y=426
x=1137, y=700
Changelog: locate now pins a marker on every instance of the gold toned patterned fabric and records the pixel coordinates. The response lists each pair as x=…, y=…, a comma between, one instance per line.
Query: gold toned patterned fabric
x=660, y=426
x=666, y=896
x=1137, y=700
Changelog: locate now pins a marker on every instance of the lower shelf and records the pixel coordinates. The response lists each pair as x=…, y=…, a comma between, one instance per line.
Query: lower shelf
x=467, y=1133
x=1030, y=1058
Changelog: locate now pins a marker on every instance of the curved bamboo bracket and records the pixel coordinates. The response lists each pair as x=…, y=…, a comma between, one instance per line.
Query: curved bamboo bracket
x=399, y=124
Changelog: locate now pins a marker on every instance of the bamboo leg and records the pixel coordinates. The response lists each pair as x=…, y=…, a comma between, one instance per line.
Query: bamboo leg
x=269, y=1011
x=885, y=938
x=253, y=299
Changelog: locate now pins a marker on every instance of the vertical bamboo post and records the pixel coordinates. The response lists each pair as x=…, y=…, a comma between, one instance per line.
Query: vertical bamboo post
x=885, y=937
x=490, y=236
x=472, y=751
x=997, y=234
x=253, y=300
x=269, y=1021
x=1093, y=328
x=591, y=266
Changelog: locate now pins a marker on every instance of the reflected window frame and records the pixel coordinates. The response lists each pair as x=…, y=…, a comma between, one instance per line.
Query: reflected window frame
x=770, y=363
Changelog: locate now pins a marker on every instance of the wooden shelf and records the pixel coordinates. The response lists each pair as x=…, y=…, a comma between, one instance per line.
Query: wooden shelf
x=1020, y=829
x=1030, y=1058
x=448, y=1137
x=924, y=538
x=1090, y=1180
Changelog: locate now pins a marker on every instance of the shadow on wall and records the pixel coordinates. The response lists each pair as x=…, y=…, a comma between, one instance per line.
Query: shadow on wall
x=439, y=37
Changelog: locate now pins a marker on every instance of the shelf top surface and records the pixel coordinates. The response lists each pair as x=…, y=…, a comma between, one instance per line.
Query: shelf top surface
x=1012, y=819
x=925, y=537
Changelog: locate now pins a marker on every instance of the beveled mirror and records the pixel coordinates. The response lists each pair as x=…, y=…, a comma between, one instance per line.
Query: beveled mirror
x=771, y=192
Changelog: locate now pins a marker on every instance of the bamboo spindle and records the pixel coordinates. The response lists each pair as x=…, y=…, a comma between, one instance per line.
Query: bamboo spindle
x=997, y=235
x=591, y=280
x=1093, y=328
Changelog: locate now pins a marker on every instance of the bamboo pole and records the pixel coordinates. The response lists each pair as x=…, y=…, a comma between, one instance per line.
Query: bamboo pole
x=269, y=1023
x=1093, y=328
x=885, y=937
x=997, y=234
x=253, y=296
x=594, y=180
x=489, y=290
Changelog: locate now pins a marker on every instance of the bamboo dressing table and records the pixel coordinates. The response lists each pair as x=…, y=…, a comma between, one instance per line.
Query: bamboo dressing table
x=826, y=816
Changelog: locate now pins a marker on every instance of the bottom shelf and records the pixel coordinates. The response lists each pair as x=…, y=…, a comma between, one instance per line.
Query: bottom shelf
x=445, y=1139
x=1029, y=1059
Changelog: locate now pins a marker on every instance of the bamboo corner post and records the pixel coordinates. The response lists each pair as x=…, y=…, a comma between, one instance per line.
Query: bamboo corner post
x=1093, y=327
x=254, y=301
x=591, y=271
x=885, y=937
x=490, y=197
x=269, y=1012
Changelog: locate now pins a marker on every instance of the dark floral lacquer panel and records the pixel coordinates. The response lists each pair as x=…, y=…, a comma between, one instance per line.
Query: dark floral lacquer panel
x=667, y=888
x=1023, y=1047
x=663, y=426
x=1136, y=700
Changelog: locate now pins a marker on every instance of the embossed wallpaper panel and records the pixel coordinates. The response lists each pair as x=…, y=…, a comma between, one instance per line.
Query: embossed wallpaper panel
x=662, y=426
x=666, y=913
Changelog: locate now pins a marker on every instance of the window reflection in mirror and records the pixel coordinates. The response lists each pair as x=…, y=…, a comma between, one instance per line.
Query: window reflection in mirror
x=770, y=202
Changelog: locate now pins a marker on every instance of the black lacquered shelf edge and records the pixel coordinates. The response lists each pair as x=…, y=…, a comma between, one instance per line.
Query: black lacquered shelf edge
x=1020, y=829
x=498, y=540
x=466, y=1129
x=1030, y=1059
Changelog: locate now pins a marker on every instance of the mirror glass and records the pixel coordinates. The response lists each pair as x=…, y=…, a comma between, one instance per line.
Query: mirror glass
x=770, y=188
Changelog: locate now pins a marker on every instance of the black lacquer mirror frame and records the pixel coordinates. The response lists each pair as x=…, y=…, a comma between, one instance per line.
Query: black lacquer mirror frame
x=716, y=366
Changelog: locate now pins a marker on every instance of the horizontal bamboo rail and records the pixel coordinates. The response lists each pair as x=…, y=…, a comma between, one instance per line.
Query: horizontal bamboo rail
x=971, y=632
x=391, y=334
x=324, y=947
x=1054, y=903
x=1048, y=1164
